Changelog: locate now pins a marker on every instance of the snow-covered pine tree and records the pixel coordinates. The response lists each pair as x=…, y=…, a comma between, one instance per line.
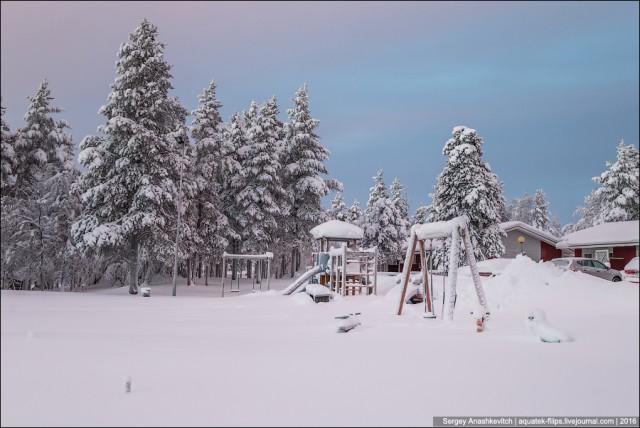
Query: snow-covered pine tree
x=354, y=214
x=130, y=183
x=589, y=213
x=303, y=160
x=522, y=209
x=381, y=222
x=401, y=201
x=338, y=208
x=399, y=196
x=7, y=156
x=421, y=215
x=467, y=186
x=41, y=209
x=235, y=139
x=42, y=141
x=378, y=191
x=260, y=197
x=541, y=211
x=213, y=162
x=555, y=228
x=619, y=187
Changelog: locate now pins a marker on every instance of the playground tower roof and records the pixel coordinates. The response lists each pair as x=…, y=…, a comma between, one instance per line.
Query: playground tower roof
x=336, y=229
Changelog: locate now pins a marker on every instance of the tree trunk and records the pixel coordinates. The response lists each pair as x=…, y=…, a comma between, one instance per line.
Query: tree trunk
x=132, y=267
x=206, y=275
x=188, y=272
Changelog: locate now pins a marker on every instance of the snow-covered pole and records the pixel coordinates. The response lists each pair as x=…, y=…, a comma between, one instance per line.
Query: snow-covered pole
x=452, y=277
x=406, y=270
x=344, y=269
x=180, y=140
x=471, y=258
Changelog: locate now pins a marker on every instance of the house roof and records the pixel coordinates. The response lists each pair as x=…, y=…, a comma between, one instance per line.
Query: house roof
x=337, y=229
x=533, y=231
x=616, y=234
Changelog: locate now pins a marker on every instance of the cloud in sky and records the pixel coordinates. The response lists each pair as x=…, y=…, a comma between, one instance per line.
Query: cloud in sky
x=552, y=87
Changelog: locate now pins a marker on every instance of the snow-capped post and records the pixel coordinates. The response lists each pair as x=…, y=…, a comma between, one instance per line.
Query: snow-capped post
x=406, y=270
x=180, y=139
x=452, y=277
x=464, y=232
x=344, y=269
x=428, y=299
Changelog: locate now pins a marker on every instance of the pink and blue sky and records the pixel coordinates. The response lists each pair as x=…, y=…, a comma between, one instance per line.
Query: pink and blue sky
x=552, y=87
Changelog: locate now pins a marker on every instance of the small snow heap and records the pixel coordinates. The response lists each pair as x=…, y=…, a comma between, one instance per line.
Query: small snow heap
x=479, y=313
x=348, y=322
x=537, y=325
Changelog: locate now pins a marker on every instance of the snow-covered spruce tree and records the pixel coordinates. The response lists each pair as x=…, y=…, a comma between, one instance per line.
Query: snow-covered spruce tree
x=130, y=183
x=467, y=186
x=522, y=209
x=381, y=222
x=7, y=156
x=303, y=160
x=213, y=161
x=235, y=139
x=555, y=228
x=589, y=213
x=421, y=215
x=541, y=211
x=42, y=141
x=619, y=187
x=338, y=208
x=41, y=209
x=354, y=214
x=401, y=201
x=260, y=197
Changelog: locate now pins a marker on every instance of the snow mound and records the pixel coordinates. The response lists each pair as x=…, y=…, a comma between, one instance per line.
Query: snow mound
x=519, y=279
x=302, y=299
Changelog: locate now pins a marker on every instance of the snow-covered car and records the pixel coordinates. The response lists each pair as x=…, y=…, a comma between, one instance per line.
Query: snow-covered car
x=630, y=271
x=589, y=266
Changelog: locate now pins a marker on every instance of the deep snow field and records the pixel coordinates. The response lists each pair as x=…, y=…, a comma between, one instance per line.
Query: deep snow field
x=264, y=359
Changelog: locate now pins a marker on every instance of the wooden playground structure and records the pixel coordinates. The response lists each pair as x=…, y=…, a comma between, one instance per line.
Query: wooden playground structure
x=353, y=272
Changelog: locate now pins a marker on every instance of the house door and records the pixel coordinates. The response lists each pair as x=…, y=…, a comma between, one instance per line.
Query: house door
x=602, y=255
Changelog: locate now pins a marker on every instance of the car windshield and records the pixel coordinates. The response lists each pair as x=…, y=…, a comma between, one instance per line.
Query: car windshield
x=633, y=264
x=598, y=264
x=561, y=263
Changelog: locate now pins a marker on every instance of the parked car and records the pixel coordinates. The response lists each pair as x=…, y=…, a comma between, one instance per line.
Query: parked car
x=630, y=272
x=589, y=266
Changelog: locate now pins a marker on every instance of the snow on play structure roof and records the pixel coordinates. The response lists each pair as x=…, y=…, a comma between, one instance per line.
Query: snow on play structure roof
x=438, y=229
x=533, y=231
x=619, y=233
x=337, y=229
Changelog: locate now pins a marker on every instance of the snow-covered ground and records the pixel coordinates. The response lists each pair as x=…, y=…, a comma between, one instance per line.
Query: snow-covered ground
x=264, y=359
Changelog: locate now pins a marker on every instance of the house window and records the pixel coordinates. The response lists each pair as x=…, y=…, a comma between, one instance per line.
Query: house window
x=588, y=255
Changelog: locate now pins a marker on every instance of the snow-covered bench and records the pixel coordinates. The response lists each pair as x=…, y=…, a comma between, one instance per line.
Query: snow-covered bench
x=318, y=292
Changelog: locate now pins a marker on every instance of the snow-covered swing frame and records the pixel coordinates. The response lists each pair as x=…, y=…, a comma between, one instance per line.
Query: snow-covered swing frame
x=250, y=257
x=457, y=230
